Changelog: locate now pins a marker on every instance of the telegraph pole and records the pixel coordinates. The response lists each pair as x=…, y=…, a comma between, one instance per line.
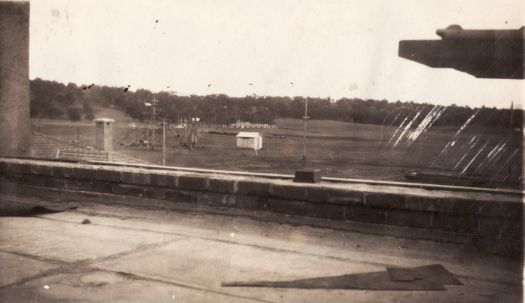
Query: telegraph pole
x=305, y=118
x=147, y=137
x=164, y=142
x=154, y=104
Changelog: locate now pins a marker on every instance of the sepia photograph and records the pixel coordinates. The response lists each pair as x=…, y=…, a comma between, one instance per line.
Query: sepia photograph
x=262, y=151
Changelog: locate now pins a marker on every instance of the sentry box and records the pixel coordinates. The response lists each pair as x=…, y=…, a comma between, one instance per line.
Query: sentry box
x=104, y=134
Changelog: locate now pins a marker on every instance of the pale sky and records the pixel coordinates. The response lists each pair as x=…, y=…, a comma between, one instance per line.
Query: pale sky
x=327, y=48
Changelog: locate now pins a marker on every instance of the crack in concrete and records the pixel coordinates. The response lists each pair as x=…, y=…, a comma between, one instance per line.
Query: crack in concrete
x=138, y=249
x=87, y=266
x=38, y=258
x=180, y=284
x=79, y=266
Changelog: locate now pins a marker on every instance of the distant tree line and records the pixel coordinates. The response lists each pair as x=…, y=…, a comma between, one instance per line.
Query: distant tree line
x=55, y=100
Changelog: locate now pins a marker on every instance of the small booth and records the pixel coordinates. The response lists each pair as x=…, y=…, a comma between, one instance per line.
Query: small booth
x=104, y=134
x=250, y=140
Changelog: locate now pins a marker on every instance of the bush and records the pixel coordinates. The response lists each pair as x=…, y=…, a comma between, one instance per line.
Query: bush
x=73, y=114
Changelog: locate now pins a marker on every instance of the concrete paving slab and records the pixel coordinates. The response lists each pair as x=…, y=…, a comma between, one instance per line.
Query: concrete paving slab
x=14, y=268
x=208, y=263
x=70, y=242
x=346, y=246
x=99, y=286
x=204, y=263
x=140, y=255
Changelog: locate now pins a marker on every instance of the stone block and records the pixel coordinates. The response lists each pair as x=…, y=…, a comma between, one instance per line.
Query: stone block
x=509, y=210
x=466, y=207
x=409, y=218
x=4, y=168
x=19, y=168
x=127, y=190
x=160, y=179
x=478, y=207
x=12, y=177
x=445, y=205
x=42, y=170
x=253, y=188
x=289, y=192
x=101, y=187
x=419, y=203
x=63, y=172
x=210, y=198
x=222, y=186
x=298, y=208
x=365, y=214
x=334, y=196
x=328, y=211
x=179, y=196
x=386, y=201
x=83, y=185
x=497, y=228
x=137, y=178
x=251, y=203
x=155, y=193
x=318, y=194
x=307, y=209
x=193, y=183
x=86, y=173
x=503, y=246
x=228, y=201
x=455, y=223
x=34, y=180
x=54, y=182
x=108, y=175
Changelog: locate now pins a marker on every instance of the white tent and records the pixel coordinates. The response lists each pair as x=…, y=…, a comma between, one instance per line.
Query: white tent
x=251, y=140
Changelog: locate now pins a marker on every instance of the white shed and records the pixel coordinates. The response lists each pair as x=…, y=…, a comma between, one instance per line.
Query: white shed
x=251, y=140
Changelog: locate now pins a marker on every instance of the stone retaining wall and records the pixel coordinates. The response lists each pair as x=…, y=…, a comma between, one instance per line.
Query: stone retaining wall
x=496, y=220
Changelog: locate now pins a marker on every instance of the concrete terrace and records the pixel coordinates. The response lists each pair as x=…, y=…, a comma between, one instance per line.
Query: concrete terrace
x=145, y=250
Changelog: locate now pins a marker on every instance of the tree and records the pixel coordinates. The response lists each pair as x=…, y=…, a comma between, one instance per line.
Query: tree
x=73, y=114
x=88, y=111
x=50, y=99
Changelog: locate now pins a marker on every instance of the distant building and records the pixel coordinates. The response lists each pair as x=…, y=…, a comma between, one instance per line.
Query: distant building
x=251, y=140
x=240, y=124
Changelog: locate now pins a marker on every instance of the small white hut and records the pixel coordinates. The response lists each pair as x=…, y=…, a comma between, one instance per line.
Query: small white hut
x=251, y=140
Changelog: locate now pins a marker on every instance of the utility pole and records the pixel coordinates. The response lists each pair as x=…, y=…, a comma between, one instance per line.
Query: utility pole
x=147, y=137
x=154, y=105
x=305, y=118
x=164, y=142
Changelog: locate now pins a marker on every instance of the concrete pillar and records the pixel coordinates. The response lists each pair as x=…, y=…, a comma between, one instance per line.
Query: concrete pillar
x=15, y=126
x=104, y=134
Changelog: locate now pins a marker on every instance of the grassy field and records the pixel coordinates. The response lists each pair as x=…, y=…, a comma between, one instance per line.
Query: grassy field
x=338, y=149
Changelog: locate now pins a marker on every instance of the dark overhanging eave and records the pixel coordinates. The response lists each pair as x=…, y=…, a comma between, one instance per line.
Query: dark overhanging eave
x=483, y=54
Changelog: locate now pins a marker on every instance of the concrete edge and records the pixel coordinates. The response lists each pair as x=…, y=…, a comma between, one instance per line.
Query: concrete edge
x=495, y=217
